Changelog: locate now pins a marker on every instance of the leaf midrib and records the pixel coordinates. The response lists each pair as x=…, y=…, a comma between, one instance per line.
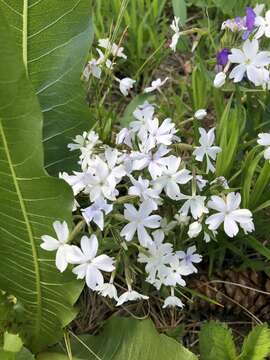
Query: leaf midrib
x=28, y=228
x=25, y=34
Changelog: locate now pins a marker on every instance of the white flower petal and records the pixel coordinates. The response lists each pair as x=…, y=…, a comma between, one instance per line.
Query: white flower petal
x=60, y=259
x=49, y=243
x=230, y=226
x=89, y=246
x=61, y=230
x=104, y=263
x=93, y=277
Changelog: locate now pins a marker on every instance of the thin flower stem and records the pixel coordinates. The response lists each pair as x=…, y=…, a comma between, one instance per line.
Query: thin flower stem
x=148, y=59
x=76, y=230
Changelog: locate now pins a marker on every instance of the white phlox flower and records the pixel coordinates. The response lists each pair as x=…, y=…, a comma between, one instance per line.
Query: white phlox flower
x=92, y=68
x=175, y=273
x=96, y=211
x=195, y=204
x=87, y=140
x=130, y=295
x=89, y=266
x=99, y=181
x=155, y=85
x=125, y=85
x=175, y=28
x=172, y=301
x=139, y=220
x=157, y=257
x=172, y=177
x=142, y=189
x=142, y=114
x=86, y=143
x=60, y=245
x=187, y=259
x=263, y=25
x=250, y=62
x=201, y=182
x=103, y=175
x=207, y=149
x=125, y=136
x=107, y=290
x=157, y=135
x=112, y=48
x=229, y=213
x=153, y=161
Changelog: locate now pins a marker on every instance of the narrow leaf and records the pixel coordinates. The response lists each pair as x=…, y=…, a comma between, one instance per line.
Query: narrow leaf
x=258, y=246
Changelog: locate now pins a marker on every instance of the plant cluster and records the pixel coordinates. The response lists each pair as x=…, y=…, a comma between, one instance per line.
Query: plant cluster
x=129, y=170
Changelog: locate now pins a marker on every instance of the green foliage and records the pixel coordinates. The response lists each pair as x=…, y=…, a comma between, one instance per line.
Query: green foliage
x=216, y=342
x=229, y=8
x=54, y=38
x=30, y=202
x=257, y=345
x=199, y=86
x=13, y=349
x=180, y=10
x=128, y=339
x=147, y=30
x=12, y=342
x=255, y=180
x=229, y=129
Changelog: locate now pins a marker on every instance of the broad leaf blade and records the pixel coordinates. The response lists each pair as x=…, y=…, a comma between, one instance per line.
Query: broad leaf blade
x=127, y=339
x=54, y=38
x=30, y=201
x=216, y=342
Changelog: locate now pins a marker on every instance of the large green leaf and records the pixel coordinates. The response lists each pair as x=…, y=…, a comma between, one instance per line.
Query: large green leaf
x=127, y=339
x=30, y=201
x=54, y=37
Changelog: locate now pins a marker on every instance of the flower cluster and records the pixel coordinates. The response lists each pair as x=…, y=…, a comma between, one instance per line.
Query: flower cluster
x=106, y=61
x=246, y=61
x=151, y=200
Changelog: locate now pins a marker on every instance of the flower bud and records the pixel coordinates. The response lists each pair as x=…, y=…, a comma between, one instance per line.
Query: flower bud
x=200, y=114
x=220, y=79
x=194, y=229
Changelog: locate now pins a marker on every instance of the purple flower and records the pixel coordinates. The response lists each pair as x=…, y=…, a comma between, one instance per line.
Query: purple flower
x=250, y=18
x=240, y=22
x=222, y=57
x=250, y=22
